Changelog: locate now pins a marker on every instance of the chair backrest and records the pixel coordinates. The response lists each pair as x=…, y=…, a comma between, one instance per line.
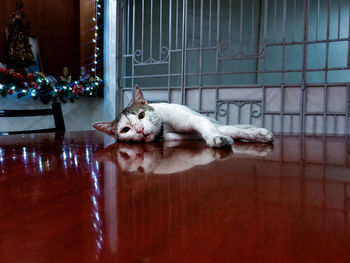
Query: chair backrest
x=56, y=111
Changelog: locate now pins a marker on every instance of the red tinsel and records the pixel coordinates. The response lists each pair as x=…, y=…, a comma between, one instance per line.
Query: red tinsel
x=30, y=76
x=33, y=84
x=17, y=75
x=4, y=70
x=78, y=90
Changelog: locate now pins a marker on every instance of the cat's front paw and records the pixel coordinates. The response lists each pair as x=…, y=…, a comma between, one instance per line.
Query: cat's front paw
x=219, y=141
x=263, y=135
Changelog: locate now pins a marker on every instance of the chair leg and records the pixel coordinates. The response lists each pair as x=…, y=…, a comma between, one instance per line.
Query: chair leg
x=58, y=117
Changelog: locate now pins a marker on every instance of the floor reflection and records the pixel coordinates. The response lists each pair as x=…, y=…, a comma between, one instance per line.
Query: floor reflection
x=51, y=199
x=71, y=199
x=251, y=203
x=173, y=157
x=57, y=156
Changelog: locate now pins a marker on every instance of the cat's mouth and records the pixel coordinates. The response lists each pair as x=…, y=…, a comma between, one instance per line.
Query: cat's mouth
x=147, y=137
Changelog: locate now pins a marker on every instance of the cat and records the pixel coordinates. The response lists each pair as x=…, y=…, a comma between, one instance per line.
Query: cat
x=143, y=122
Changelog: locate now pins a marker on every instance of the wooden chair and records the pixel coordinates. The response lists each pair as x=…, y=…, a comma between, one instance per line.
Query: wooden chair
x=56, y=111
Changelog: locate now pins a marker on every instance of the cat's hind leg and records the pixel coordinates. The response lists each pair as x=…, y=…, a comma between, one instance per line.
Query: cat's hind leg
x=200, y=127
x=175, y=136
x=216, y=141
x=247, y=133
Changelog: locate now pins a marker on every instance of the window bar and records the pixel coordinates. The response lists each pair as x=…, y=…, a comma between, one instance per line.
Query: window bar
x=193, y=21
x=200, y=56
x=151, y=32
x=177, y=24
x=160, y=28
x=283, y=38
x=257, y=45
x=228, y=112
x=217, y=34
x=263, y=106
x=133, y=44
x=209, y=33
x=265, y=20
x=184, y=55
x=272, y=123
x=318, y=18
x=227, y=73
x=241, y=29
x=120, y=59
x=327, y=39
x=294, y=15
x=339, y=15
x=250, y=112
x=282, y=107
x=325, y=108
x=229, y=26
x=128, y=29
x=326, y=72
x=170, y=47
x=304, y=69
x=274, y=22
x=265, y=28
x=142, y=30
x=252, y=27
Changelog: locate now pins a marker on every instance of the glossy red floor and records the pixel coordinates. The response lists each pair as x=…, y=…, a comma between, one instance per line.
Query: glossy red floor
x=72, y=198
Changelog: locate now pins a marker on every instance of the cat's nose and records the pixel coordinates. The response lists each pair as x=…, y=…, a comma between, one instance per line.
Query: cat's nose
x=141, y=130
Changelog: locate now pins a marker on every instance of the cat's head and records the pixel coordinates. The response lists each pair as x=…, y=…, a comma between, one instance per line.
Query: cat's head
x=137, y=122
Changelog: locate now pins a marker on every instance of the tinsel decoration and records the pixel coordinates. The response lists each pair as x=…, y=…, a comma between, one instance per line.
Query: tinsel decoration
x=46, y=89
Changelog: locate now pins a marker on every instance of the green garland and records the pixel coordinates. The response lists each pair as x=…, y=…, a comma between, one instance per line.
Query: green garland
x=47, y=89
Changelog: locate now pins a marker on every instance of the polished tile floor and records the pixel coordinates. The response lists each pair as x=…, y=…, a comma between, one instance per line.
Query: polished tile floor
x=75, y=197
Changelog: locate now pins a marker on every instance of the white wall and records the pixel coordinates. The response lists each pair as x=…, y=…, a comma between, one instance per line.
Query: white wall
x=77, y=116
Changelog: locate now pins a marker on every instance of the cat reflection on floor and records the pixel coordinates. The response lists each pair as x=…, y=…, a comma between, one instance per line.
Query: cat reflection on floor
x=173, y=156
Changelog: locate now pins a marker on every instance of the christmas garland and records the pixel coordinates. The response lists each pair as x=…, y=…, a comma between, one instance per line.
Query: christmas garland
x=47, y=89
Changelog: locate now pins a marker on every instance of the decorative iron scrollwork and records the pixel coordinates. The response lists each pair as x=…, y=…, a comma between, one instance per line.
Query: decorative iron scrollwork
x=164, y=57
x=255, y=113
x=224, y=49
x=221, y=112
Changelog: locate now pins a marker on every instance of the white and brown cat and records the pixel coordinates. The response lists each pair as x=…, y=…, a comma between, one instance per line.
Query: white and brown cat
x=143, y=122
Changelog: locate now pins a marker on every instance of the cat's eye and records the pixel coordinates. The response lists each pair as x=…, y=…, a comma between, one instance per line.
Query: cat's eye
x=125, y=130
x=125, y=155
x=141, y=115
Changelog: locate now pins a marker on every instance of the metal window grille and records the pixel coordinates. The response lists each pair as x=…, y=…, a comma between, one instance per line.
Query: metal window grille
x=279, y=64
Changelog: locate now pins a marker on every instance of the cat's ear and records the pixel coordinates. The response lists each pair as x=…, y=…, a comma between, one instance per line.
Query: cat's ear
x=107, y=127
x=138, y=97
